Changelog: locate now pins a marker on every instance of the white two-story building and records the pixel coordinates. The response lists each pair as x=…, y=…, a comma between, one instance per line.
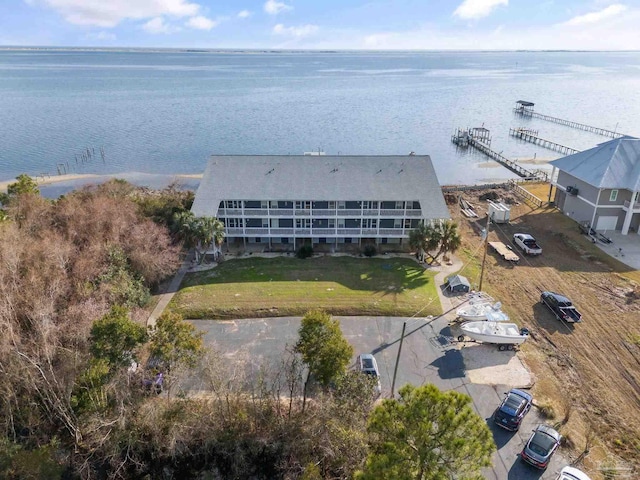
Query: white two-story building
x=286, y=201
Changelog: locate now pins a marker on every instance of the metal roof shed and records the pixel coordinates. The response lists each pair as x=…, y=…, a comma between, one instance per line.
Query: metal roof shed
x=458, y=284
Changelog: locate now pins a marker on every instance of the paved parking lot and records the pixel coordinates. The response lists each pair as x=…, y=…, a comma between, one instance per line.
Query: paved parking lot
x=428, y=355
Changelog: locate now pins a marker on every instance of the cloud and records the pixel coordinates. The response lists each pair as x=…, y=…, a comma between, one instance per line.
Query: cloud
x=298, y=32
x=244, y=14
x=108, y=13
x=273, y=7
x=201, y=23
x=103, y=36
x=596, y=17
x=474, y=9
x=157, y=25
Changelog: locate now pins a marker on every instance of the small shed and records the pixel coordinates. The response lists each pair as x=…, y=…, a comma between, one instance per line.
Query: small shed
x=457, y=284
x=499, y=212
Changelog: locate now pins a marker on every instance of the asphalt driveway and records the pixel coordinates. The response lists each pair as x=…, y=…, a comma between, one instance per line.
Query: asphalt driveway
x=429, y=354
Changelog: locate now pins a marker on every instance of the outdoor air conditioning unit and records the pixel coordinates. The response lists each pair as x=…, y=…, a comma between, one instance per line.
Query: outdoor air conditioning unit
x=572, y=190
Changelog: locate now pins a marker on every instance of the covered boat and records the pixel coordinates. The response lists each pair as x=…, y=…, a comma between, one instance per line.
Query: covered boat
x=483, y=311
x=501, y=333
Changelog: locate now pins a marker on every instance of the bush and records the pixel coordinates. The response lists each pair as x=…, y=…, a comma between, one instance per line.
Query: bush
x=305, y=251
x=369, y=250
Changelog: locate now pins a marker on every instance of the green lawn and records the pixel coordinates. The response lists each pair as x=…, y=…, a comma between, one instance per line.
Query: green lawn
x=283, y=286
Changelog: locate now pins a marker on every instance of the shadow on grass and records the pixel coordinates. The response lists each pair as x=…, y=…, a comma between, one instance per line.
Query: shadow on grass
x=377, y=275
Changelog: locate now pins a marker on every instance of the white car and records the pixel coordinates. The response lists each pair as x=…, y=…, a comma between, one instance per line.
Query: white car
x=366, y=363
x=527, y=244
x=570, y=473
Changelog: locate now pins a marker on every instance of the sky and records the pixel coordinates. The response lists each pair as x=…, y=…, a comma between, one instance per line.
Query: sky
x=324, y=24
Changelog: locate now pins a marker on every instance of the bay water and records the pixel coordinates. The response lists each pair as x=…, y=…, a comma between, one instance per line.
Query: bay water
x=165, y=112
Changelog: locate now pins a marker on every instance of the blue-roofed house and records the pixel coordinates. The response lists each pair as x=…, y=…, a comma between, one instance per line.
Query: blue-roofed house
x=601, y=186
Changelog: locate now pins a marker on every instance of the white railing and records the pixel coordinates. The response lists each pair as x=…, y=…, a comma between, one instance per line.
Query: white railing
x=303, y=231
x=391, y=231
x=281, y=212
x=348, y=212
x=282, y=231
x=348, y=231
x=256, y=212
x=256, y=231
x=324, y=231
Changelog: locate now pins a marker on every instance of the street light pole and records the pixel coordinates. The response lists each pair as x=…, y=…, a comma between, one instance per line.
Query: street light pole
x=484, y=256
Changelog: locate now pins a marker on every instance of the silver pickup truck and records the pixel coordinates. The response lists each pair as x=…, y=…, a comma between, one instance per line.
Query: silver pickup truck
x=527, y=244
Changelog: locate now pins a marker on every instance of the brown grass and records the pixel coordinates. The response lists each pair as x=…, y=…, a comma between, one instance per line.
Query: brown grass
x=595, y=364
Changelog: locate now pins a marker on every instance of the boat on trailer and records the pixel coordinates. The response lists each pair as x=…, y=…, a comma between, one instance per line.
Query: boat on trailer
x=483, y=311
x=504, y=334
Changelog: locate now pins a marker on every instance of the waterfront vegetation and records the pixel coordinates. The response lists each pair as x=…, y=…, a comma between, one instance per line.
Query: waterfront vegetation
x=283, y=286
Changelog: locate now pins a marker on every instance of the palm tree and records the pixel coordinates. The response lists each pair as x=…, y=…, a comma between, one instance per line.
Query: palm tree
x=424, y=238
x=209, y=231
x=450, y=239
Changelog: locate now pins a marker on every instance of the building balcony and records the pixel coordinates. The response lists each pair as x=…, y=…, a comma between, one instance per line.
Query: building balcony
x=256, y=212
x=281, y=212
x=394, y=232
x=281, y=231
x=627, y=204
x=315, y=232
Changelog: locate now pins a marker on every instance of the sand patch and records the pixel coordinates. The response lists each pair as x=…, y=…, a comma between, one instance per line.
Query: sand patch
x=486, y=365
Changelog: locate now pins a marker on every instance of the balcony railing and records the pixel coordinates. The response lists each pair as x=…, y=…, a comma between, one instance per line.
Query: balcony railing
x=256, y=212
x=256, y=231
x=636, y=206
x=282, y=231
x=349, y=212
x=348, y=231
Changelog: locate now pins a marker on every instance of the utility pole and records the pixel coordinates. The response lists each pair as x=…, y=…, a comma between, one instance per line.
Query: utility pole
x=395, y=370
x=484, y=256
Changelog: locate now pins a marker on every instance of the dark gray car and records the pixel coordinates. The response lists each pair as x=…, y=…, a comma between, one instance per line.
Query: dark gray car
x=542, y=444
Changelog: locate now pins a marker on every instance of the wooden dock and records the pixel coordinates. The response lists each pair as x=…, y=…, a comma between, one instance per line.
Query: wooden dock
x=510, y=164
x=525, y=109
x=531, y=136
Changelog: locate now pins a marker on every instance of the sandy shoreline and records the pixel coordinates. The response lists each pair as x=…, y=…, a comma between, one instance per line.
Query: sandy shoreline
x=93, y=178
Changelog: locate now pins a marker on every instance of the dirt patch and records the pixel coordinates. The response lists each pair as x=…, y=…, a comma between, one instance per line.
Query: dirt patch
x=595, y=364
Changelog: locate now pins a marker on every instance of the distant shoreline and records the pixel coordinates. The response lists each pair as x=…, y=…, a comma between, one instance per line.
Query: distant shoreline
x=91, y=178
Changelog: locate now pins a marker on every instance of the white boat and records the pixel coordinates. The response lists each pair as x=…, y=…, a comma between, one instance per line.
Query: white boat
x=494, y=332
x=483, y=311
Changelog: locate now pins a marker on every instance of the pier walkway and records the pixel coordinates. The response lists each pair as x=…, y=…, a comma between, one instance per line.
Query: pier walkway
x=525, y=109
x=531, y=136
x=510, y=164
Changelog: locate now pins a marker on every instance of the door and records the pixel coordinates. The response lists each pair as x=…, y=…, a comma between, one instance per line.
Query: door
x=607, y=223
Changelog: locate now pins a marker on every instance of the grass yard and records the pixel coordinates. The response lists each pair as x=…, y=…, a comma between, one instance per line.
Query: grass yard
x=284, y=286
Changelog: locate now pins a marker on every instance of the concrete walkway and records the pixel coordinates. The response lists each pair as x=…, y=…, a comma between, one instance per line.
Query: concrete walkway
x=166, y=297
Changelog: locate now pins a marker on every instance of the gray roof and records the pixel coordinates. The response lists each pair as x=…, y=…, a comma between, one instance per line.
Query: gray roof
x=458, y=280
x=612, y=164
x=315, y=178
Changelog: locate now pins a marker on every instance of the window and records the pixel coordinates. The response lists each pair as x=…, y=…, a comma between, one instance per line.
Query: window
x=399, y=205
x=303, y=223
x=332, y=223
x=264, y=204
x=373, y=205
x=332, y=205
x=233, y=222
x=342, y=205
x=233, y=204
x=370, y=223
x=613, y=196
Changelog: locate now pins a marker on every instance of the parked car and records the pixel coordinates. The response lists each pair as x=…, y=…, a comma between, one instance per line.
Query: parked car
x=561, y=306
x=541, y=446
x=366, y=363
x=512, y=410
x=571, y=473
x=527, y=244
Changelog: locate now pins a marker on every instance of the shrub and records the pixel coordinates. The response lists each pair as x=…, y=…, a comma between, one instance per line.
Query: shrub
x=305, y=251
x=369, y=250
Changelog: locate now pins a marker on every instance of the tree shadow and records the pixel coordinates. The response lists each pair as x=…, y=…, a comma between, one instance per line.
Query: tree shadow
x=450, y=365
x=386, y=276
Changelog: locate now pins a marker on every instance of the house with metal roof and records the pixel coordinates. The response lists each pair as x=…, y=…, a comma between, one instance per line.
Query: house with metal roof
x=601, y=186
x=284, y=201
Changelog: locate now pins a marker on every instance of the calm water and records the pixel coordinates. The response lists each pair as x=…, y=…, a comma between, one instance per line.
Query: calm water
x=165, y=113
